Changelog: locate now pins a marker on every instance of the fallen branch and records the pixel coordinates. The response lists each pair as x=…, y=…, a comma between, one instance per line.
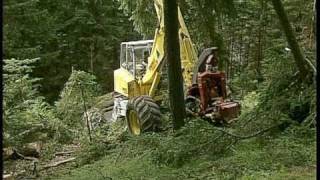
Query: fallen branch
x=311, y=65
x=63, y=153
x=12, y=153
x=12, y=175
x=55, y=164
x=26, y=157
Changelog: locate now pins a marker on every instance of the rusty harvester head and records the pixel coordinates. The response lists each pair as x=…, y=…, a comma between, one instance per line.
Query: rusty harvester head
x=208, y=91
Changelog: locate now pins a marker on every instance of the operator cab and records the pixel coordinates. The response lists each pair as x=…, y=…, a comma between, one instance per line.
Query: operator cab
x=134, y=56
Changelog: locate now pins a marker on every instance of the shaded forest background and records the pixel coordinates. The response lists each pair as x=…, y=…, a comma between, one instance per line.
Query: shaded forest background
x=58, y=55
x=86, y=35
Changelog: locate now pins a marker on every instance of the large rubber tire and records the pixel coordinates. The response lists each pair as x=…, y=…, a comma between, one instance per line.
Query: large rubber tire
x=147, y=114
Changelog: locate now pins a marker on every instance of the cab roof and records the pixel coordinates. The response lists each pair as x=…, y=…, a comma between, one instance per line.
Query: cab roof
x=141, y=42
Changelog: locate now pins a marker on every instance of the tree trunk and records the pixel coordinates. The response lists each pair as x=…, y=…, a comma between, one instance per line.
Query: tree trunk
x=172, y=55
x=91, y=57
x=232, y=64
x=209, y=23
x=259, y=53
x=258, y=56
x=293, y=44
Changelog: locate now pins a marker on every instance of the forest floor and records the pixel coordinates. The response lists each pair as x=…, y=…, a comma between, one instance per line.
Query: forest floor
x=289, y=154
x=286, y=156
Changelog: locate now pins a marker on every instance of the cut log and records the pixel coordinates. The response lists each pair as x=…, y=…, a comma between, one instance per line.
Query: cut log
x=12, y=175
x=7, y=153
x=12, y=153
x=28, y=151
x=31, y=149
x=7, y=177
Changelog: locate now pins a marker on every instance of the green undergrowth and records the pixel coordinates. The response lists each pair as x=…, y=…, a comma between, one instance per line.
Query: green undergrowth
x=274, y=138
x=198, y=153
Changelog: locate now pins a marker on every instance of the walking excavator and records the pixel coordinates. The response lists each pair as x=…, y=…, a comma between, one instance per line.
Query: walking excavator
x=139, y=81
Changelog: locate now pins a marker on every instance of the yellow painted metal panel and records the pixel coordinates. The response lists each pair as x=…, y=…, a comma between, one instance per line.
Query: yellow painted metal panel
x=121, y=81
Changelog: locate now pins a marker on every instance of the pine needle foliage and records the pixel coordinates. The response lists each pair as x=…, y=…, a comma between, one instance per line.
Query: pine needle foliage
x=78, y=93
x=27, y=117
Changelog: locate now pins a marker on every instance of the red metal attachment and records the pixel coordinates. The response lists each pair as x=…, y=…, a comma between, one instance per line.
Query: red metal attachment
x=209, y=92
x=211, y=85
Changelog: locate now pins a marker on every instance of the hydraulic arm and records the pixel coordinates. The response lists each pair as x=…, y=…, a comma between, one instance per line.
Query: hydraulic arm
x=148, y=83
x=188, y=54
x=137, y=81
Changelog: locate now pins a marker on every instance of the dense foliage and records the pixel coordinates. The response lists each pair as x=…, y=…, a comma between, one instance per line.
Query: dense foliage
x=77, y=96
x=77, y=42
x=82, y=34
x=27, y=117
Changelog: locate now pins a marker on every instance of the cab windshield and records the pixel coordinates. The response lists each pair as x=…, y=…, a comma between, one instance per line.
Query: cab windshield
x=134, y=56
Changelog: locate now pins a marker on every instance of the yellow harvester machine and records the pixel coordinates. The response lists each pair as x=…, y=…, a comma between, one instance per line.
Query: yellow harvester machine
x=136, y=83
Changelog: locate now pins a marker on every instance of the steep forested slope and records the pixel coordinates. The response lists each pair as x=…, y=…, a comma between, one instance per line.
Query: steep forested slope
x=59, y=59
